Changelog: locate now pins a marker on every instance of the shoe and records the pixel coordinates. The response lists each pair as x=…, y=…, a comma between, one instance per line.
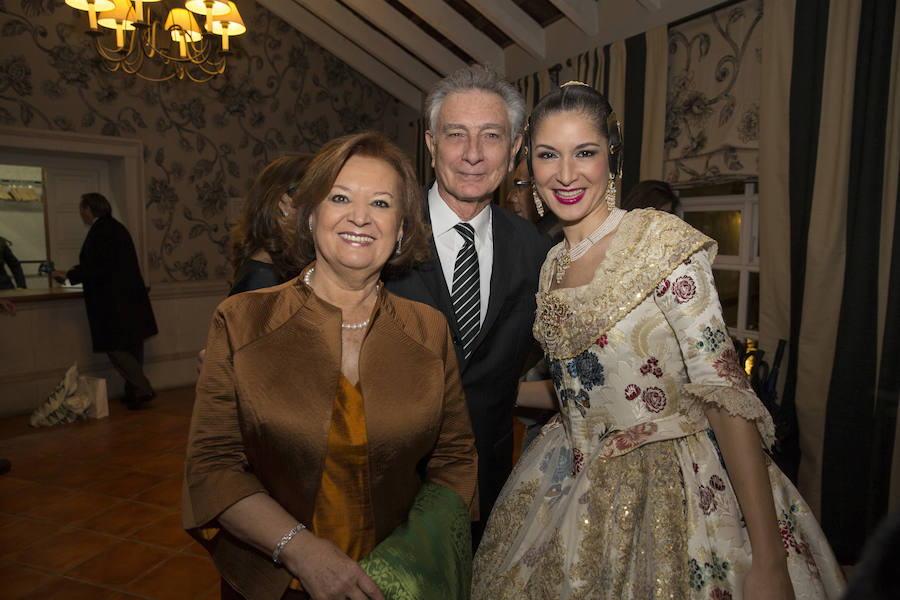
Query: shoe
x=136, y=402
x=5, y=466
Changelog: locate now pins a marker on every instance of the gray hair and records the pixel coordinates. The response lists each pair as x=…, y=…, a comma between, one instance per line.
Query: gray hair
x=477, y=77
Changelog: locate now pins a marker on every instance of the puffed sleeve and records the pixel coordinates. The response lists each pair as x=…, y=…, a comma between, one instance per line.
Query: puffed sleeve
x=217, y=473
x=690, y=303
x=453, y=462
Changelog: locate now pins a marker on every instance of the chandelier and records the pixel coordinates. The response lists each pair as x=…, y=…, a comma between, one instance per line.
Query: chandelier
x=155, y=50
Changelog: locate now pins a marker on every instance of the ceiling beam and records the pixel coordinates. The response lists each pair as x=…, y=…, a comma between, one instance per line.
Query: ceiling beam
x=652, y=5
x=583, y=14
x=407, y=34
x=373, y=41
x=321, y=33
x=514, y=22
x=455, y=28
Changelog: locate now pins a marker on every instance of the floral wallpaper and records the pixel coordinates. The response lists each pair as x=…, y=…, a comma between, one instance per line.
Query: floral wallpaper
x=203, y=143
x=712, y=108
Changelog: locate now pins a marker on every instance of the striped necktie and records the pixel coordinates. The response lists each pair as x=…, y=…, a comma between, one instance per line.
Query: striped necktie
x=466, y=296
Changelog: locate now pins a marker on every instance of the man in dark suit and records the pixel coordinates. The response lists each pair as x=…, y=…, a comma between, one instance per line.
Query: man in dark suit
x=486, y=292
x=118, y=308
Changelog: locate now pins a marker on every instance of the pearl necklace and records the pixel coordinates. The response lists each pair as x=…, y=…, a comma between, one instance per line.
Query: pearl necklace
x=565, y=257
x=363, y=324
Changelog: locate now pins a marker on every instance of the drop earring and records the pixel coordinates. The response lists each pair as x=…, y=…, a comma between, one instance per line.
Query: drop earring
x=399, y=243
x=611, y=193
x=537, y=201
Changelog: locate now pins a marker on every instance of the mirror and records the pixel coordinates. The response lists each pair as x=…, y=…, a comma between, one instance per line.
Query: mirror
x=23, y=225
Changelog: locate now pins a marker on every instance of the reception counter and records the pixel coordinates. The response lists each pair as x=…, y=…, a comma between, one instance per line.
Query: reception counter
x=50, y=331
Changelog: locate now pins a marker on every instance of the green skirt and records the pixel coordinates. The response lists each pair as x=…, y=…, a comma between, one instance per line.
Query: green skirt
x=428, y=556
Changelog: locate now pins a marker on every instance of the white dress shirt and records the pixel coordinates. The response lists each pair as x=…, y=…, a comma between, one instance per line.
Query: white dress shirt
x=448, y=242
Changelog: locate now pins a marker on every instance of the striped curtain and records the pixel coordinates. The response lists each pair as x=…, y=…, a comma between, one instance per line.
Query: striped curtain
x=830, y=254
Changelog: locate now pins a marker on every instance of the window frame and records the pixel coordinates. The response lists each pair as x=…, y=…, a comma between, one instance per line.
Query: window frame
x=747, y=261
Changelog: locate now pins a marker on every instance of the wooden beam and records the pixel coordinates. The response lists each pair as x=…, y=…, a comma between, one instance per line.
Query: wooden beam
x=453, y=26
x=321, y=33
x=514, y=22
x=583, y=14
x=373, y=41
x=651, y=5
x=407, y=34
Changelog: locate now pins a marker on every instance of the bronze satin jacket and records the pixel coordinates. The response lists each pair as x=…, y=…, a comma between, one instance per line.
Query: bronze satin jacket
x=263, y=412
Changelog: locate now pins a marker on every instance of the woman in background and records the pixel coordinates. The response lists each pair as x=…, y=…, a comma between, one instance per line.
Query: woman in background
x=652, y=481
x=330, y=425
x=260, y=239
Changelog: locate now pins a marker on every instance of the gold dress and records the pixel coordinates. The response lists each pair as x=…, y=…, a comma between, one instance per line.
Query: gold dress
x=343, y=510
x=624, y=494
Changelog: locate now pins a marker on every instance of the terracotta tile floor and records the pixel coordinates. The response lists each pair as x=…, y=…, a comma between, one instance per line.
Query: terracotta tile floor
x=91, y=510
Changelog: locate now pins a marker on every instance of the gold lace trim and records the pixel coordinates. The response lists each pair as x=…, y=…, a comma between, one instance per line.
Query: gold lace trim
x=648, y=246
x=740, y=403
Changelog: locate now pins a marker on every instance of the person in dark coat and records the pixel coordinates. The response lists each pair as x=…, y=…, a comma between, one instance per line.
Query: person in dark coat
x=118, y=307
x=8, y=259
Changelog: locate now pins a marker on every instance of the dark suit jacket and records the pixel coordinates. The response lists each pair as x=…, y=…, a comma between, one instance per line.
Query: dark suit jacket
x=264, y=405
x=491, y=374
x=118, y=308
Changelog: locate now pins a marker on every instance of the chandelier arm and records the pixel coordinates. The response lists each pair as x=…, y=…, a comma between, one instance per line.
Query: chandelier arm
x=201, y=63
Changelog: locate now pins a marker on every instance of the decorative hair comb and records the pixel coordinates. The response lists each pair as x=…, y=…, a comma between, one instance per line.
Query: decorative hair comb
x=573, y=82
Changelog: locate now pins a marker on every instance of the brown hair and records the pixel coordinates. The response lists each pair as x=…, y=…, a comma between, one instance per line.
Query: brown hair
x=260, y=227
x=321, y=175
x=651, y=193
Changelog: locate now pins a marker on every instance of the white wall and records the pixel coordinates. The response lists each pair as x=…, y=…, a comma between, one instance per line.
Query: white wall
x=47, y=336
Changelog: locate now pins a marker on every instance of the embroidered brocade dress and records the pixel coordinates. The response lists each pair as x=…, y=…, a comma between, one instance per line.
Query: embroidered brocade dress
x=624, y=494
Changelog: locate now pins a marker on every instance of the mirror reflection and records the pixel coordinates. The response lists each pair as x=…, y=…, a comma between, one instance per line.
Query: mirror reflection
x=23, y=233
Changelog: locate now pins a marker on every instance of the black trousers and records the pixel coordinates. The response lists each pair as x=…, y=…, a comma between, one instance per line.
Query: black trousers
x=129, y=362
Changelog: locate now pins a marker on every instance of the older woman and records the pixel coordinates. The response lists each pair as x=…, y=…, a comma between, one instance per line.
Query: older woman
x=323, y=402
x=260, y=239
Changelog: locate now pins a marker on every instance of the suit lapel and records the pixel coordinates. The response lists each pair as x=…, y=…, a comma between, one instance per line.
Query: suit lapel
x=433, y=279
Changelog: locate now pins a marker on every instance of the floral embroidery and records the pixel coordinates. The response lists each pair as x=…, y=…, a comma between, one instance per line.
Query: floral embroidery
x=719, y=594
x=562, y=467
x=687, y=261
x=588, y=369
x=577, y=461
x=793, y=539
x=711, y=340
x=630, y=438
x=602, y=341
x=534, y=555
x=702, y=574
x=662, y=287
x=654, y=399
x=684, y=289
x=651, y=366
x=716, y=482
x=581, y=400
x=729, y=369
x=697, y=580
x=707, y=500
x=555, y=370
x=632, y=391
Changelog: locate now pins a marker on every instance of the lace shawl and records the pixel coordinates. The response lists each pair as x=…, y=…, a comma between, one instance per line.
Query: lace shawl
x=648, y=245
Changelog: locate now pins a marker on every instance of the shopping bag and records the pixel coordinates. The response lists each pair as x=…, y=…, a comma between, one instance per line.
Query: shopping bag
x=95, y=389
x=64, y=404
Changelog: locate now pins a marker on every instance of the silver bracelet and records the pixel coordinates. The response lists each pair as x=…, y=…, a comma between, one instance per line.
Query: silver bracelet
x=276, y=553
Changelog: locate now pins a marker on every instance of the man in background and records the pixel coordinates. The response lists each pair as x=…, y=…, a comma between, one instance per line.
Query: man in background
x=118, y=307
